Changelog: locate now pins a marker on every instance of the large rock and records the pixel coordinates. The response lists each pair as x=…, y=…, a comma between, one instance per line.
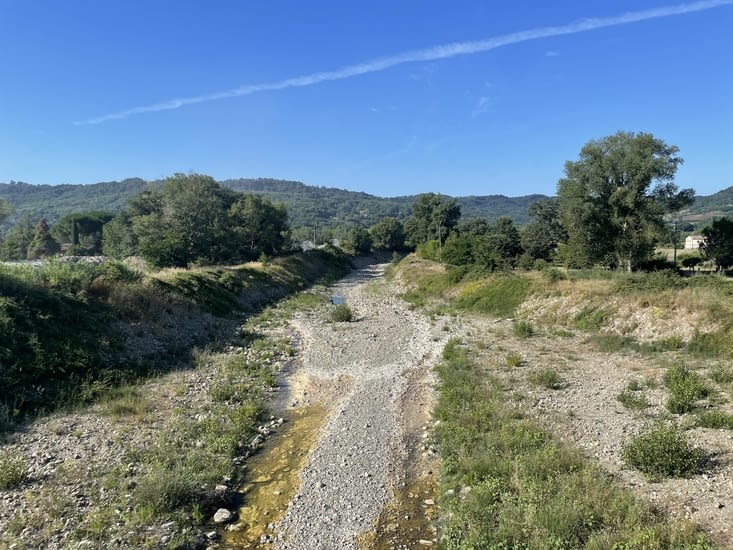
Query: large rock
x=223, y=516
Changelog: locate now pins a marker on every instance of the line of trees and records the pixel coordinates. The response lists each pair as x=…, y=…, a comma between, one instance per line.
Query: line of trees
x=191, y=219
x=611, y=210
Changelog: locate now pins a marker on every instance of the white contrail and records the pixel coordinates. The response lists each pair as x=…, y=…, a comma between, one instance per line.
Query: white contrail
x=429, y=54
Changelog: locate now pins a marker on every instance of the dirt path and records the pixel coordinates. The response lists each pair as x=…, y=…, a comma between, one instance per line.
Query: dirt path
x=373, y=377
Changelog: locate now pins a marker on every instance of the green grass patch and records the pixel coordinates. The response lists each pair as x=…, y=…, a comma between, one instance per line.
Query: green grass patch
x=633, y=399
x=591, y=318
x=514, y=359
x=522, y=329
x=722, y=374
x=612, y=343
x=718, y=344
x=547, y=377
x=499, y=296
x=506, y=483
x=12, y=472
x=341, y=313
x=164, y=490
x=125, y=401
x=662, y=451
x=715, y=419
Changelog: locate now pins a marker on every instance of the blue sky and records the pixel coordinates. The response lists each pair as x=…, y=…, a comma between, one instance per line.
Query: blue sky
x=387, y=97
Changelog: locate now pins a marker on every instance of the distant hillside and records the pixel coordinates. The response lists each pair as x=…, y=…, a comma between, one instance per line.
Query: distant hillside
x=55, y=201
x=307, y=205
x=710, y=206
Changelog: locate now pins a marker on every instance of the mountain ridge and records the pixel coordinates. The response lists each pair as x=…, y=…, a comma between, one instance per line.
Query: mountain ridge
x=308, y=205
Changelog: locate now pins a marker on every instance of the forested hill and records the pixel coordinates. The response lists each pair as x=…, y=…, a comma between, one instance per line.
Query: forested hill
x=710, y=206
x=53, y=202
x=307, y=205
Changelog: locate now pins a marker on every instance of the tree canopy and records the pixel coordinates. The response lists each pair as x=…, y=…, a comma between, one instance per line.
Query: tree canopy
x=612, y=214
x=718, y=243
x=194, y=219
x=388, y=234
x=433, y=217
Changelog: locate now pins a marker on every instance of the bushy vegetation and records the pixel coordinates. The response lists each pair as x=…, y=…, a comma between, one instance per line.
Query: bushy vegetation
x=506, y=483
x=341, y=313
x=685, y=387
x=57, y=321
x=547, y=377
x=12, y=472
x=632, y=397
x=522, y=329
x=661, y=450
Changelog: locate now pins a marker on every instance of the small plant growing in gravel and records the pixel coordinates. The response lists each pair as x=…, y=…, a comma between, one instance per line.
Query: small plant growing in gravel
x=633, y=400
x=715, y=419
x=341, y=314
x=662, y=451
x=547, y=377
x=12, y=473
x=721, y=374
x=522, y=329
x=164, y=490
x=685, y=388
x=513, y=359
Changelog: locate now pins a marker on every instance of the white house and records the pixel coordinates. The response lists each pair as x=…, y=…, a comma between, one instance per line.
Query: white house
x=694, y=241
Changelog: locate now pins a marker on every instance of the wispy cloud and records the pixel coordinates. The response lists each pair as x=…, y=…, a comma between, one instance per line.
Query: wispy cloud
x=443, y=51
x=482, y=106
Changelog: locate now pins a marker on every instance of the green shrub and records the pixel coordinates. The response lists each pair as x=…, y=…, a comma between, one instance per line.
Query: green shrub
x=716, y=419
x=12, y=472
x=514, y=359
x=662, y=451
x=612, y=343
x=166, y=489
x=522, y=329
x=633, y=400
x=341, y=314
x=722, y=374
x=547, y=377
x=685, y=387
x=552, y=275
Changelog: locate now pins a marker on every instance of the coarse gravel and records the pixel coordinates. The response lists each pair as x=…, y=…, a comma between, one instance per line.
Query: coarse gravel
x=366, y=366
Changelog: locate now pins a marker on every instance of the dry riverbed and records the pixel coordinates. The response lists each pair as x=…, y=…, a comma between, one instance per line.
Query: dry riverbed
x=373, y=379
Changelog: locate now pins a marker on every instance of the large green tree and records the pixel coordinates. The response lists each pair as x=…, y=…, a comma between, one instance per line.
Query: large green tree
x=5, y=209
x=388, y=234
x=433, y=217
x=611, y=211
x=118, y=238
x=541, y=236
x=258, y=226
x=43, y=244
x=718, y=243
x=16, y=242
x=358, y=241
x=194, y=219
x=81, y=232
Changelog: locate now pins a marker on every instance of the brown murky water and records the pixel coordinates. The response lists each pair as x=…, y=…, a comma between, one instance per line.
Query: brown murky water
x=407, y=521
x=271, y=479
